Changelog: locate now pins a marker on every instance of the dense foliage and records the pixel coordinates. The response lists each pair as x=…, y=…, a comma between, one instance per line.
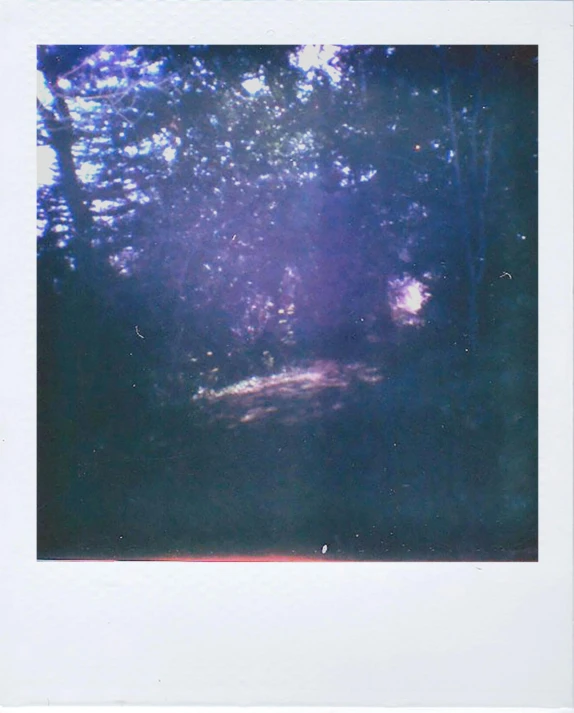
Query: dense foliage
x=220, y=214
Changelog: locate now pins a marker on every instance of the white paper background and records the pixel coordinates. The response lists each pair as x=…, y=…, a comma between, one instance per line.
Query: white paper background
x=297, y=634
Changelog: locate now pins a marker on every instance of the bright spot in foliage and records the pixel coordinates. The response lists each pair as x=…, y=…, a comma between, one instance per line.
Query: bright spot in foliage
x=365, y=177
x=310, y=58
x=47, y=166
x=88, y=172
x=169, y=154
x=123, y=261
x=155, y=68
x=254, y=85
x=108, y=83
x=408, y=296
x=101, y=206
x=413, y=298
x=43, y=92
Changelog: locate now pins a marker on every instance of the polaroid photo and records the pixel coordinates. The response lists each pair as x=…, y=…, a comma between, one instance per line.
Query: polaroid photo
x=288, y=373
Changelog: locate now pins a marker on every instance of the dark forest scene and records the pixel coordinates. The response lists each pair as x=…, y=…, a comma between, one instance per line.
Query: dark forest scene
x=287, y=303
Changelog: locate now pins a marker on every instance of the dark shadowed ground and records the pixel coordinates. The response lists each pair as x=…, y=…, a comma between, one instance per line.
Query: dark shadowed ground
x=313, y=462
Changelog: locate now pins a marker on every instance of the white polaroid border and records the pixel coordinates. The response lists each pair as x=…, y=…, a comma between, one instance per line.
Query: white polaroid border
x=363, y=634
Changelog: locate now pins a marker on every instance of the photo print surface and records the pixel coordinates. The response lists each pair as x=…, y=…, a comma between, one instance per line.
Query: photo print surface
x=287, y=303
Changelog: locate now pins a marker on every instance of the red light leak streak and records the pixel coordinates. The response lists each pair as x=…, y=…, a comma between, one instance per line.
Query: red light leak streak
x=209, y=558
x=239, y=558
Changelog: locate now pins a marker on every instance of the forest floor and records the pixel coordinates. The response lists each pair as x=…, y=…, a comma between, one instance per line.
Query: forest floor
x=322, y=461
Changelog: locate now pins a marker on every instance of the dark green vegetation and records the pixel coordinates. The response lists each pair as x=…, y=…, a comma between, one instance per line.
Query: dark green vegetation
x=225, y=214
